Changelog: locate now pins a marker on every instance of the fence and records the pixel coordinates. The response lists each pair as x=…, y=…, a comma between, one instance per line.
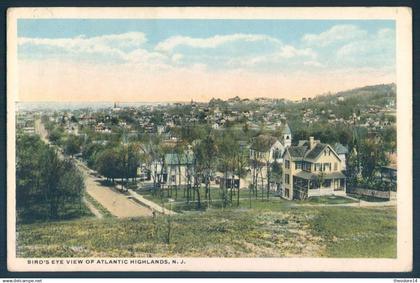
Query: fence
x=371, y=193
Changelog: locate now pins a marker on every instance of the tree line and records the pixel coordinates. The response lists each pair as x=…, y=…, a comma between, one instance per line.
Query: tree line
x=47, y=187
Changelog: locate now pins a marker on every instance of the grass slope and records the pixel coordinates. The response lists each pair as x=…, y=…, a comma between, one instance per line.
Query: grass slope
x=286, y=232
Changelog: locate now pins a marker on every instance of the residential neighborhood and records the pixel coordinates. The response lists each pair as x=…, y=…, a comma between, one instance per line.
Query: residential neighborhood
x=160, y=161
x=272, y=149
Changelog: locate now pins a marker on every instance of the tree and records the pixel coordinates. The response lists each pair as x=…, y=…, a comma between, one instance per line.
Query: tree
x=50, y=179
x=320, y=179
x=72, y=145
x=226, y=163
x=205, y=156
x=55, y=136
x=372, y=157
x=109, y=164
x=47, y=187
x=276, y=172
x=242, y=161
x=90, y=152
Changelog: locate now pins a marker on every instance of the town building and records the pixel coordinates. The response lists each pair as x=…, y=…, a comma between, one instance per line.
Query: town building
x=177, y=169
x=266, y=153
x=310, y=169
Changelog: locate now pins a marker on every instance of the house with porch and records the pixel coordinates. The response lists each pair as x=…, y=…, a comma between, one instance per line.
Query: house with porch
x=266, y=149
x=310, y=169
x=269, y=149
x=266, y=154
x=177, y=168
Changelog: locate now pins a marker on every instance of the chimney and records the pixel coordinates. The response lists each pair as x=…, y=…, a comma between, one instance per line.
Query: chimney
x=311, y=142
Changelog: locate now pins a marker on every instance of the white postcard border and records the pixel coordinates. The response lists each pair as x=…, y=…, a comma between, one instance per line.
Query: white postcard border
x=401, y=15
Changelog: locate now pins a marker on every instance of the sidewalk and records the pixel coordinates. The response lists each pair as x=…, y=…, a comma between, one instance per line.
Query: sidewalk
x=150, y=204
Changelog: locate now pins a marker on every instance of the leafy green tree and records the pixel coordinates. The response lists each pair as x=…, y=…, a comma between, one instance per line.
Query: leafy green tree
x=72, y=145
x=55, y=136
x=47, y=187
x=205, y=154
x=372, y=157
x=109, y=164
x=90, y=152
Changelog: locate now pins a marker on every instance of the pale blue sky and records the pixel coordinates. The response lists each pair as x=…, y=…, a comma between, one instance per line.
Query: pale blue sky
x=368, y=50
x=287, y=48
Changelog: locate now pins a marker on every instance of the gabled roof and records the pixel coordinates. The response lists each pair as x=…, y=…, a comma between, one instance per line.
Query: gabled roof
x=182, y=159
x=314, y=152
x=263, y=143
x=286, y=130
x=303, y=151
x=340, y=149
x=297, y=151
x=306, y=142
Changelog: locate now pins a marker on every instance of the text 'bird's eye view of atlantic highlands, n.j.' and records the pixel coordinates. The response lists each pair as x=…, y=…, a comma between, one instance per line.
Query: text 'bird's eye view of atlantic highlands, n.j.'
x=225, y=138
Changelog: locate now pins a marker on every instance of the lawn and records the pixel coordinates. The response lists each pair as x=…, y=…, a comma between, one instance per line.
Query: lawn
x=355, y=232
x=326, y=200
x=286, y=231
x=180, y=203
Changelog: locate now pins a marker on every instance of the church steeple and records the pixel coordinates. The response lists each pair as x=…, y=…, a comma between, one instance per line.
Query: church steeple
x=287, y=135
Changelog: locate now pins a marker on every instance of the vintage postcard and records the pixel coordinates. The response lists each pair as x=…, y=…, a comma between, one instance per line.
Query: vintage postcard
x=209, y=139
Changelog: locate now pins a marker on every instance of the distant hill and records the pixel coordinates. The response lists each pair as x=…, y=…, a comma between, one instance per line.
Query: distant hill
x=375, y=95
x=374, y=90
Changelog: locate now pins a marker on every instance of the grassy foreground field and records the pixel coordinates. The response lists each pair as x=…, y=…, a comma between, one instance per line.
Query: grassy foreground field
x=288, y=232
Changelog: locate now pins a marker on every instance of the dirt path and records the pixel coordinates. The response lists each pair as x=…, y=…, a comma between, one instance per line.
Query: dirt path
x=116, y=203
x=41, y=131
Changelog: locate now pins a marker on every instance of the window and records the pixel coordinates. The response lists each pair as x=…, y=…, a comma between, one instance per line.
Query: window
x=286, y=178
x=327, y=183
x=335, y=166
x=306, y=166
x=298, y=165
x=286, y=192
x=327, y=167
x=173, y=178
x=277, y=154
x=287, y=164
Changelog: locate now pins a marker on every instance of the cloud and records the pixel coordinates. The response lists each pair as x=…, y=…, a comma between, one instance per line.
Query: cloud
x=286, y=54
x=375, y=50
x=288, y=51
x=211, y=42
x=313, y=64
x=113, y=44
x=337, y=33
x=177, y=57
